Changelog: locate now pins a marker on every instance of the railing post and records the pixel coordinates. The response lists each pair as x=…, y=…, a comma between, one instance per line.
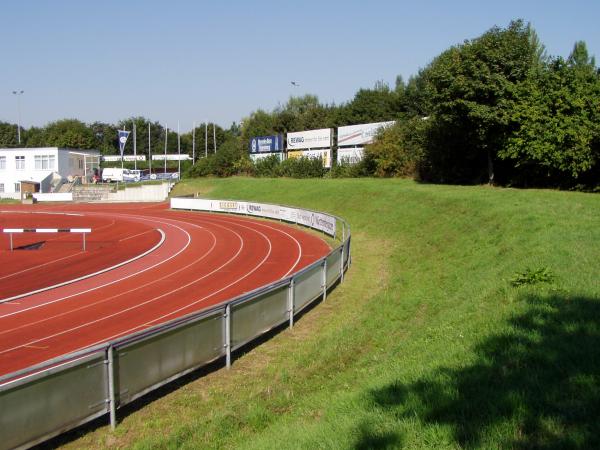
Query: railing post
x=324, y=279
x=11, y=242
x=111, y=387
x=83, y=234
x=342, y=265
x=228, y=335
x=291, y=302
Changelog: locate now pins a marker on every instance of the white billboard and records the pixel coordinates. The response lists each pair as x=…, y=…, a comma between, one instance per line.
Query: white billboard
x=114, y=158
x=258, y=156
x=360, y=134
x=318, y=221
x=350, y=155
x=309, y=139
x=171, y=157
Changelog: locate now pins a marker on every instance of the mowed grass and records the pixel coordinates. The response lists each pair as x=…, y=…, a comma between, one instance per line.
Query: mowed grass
x=427, y=344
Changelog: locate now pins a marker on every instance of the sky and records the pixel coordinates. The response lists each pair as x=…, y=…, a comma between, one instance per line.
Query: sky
x=185, y=61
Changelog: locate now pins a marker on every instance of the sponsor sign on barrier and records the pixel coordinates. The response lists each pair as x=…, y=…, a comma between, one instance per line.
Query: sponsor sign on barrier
x=360, y=134
x=309, y=139
x=311, y=219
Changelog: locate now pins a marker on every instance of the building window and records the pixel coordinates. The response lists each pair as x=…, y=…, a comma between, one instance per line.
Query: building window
x=17, y=187
x=81, y=164
x=44, y=162
x=20, y=162
x=1, y=188
x=2, y=162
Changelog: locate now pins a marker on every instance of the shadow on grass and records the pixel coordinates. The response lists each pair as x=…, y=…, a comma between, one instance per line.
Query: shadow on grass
x=537, y=385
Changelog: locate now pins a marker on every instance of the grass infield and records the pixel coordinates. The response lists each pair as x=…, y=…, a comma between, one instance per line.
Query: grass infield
x=469, y=319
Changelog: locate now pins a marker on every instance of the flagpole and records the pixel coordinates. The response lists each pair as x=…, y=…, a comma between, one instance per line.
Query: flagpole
x=194, y=143
x=123, y=151
x=134, y=147
x=149, y=151
x=206, y=139
x=178, y=152
x=166, y=134
x=214, y=138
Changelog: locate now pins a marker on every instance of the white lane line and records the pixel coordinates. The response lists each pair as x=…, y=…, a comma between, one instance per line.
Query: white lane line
x=212, y=294
x=135, y=235
x=112, y=297
x=131, y=308
x=66, y=297
x=39, y=265
x=265, y=225
x=64, y=283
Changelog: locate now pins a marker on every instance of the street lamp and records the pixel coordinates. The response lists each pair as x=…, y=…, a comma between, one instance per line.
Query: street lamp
x=18, y=94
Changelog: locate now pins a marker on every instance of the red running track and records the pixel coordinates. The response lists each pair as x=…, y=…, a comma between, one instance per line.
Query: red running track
x=190, y=261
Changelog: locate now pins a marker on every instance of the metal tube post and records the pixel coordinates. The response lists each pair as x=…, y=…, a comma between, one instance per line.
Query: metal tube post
x=325, y=279
x=111, y=388
x=83, y=234
x=291, y=302
x=228, y=336
x=342, y=265
x=11, y=242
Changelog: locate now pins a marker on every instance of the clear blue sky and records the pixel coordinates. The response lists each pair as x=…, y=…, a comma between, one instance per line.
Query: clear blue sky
x=219, y=61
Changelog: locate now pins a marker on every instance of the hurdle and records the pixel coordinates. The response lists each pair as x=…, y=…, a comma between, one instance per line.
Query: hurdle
x=11, y=231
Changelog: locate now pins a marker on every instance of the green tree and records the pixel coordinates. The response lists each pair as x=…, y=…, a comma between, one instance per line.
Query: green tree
x=8, y=134
x=466, y=88
x=556, y=116
x=67, y=133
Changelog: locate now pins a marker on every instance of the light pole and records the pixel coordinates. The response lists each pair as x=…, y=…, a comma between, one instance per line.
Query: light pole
x=18, y=94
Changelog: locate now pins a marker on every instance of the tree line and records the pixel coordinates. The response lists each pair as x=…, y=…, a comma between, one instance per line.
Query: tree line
x=495, y=109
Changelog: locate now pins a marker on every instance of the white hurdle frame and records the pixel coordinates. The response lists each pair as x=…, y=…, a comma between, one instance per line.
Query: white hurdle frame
x=11, y=231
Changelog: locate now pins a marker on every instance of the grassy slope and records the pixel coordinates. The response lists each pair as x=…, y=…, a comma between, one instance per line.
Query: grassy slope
x=426, y=344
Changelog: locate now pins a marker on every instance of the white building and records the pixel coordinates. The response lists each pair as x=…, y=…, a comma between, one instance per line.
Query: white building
x=46, y=167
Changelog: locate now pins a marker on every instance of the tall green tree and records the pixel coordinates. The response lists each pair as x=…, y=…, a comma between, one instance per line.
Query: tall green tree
x=466, y=89
x=556, y=116
x=8, y=135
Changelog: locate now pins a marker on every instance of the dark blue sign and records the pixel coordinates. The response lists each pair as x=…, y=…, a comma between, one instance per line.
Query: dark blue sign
x=266, y=144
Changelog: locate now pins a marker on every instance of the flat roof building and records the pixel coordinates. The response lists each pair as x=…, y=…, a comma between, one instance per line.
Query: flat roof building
x=47, y=167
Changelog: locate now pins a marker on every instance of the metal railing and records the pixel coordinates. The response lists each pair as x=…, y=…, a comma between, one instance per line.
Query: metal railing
x=46, y=400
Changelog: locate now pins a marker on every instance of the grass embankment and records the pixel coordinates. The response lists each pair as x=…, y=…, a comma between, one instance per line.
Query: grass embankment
x=427, y=344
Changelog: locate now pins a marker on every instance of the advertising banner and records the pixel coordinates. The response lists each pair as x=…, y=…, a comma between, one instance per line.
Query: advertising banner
x=324, y=155
x=171, y=157
x=315, y=220
x=256, y=156
x=309, y=139
x=113, y=158
x=350, y=155
x=360, y=134
x=266, y=144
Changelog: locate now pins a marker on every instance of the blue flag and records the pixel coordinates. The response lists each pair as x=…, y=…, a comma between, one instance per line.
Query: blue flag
x=123, y=135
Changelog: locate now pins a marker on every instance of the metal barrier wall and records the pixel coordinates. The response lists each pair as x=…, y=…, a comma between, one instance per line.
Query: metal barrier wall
x=48, y=399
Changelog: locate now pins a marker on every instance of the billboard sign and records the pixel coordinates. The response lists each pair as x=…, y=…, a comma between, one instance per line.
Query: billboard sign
x=309, y=139
x=324, y=155
x=350, y=155
x=266, y=144
x=360, y=134
x=258, y=156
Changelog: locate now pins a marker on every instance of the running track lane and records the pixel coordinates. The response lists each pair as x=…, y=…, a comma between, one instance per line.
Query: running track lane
x=204, y=260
